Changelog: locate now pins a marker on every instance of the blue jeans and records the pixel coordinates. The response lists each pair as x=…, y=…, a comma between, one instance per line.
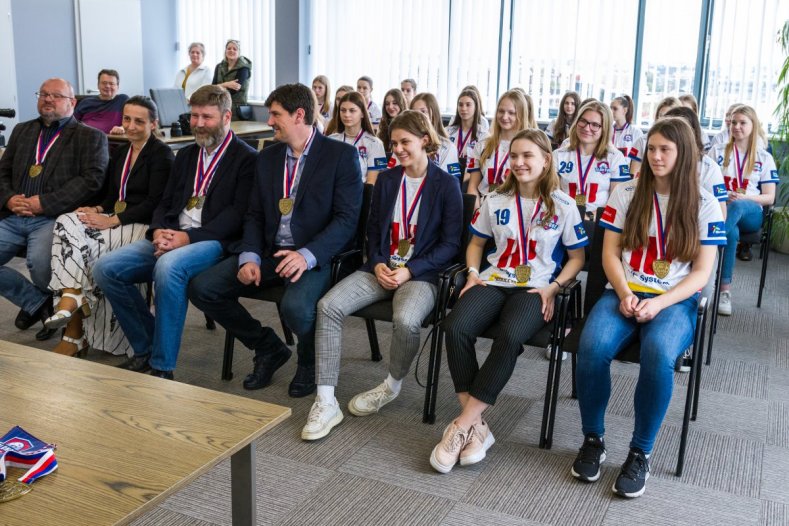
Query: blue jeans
x=743, y=216
x=216, y=292
x=662, y=340
x=116, y=274
x=34, y=234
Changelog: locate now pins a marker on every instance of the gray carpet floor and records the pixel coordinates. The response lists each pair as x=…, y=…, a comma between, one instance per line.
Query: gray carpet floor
x=375, y=470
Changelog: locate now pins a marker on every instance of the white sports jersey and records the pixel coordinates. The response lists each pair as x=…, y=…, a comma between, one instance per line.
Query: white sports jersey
x=602, y=172
x=626, y=140
x=711, y=179
x=550, y=130
x=375, y=112
x=484, y=125
x=467, y=149
x=447, y=159
x=413, y=187
x=497, y=218
x=764, y=170
x=722, y=137
x=371, y=151
x=496, y=167
x=638, y=263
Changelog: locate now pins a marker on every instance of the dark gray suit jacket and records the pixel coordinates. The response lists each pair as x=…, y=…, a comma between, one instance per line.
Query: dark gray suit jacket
x=73, y=170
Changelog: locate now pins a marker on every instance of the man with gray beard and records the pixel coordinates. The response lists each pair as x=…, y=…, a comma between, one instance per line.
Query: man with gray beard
x=200, y=214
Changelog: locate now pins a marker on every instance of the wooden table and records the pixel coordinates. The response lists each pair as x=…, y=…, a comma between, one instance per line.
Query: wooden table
x=125, y=441
x=240, y=128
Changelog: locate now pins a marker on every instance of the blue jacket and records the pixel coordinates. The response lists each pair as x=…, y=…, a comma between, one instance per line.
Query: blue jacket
x=328, y=200
x=440, y=223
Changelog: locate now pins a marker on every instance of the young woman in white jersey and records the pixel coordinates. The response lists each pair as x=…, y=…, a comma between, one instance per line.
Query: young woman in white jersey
x=355, y=128
x=489, y=166
x=640, y=147
x=532, y=224
x=588, y=165
x=484, y=125
x=559, y=129
x=413, y=233
x=331, y=126
x=365, y=86
x=750, y=176
x=394, y=105
x=658, y=251
x=625, y=136
x=465, y=131
x=322, y=89
x=408, y=87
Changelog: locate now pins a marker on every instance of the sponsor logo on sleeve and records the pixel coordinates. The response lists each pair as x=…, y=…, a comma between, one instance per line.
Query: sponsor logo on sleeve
x=609, y=214
x=580, y=231
x=380, y=162
x=624, y=170
x=392, y=162
x=720, y=190
x=453, y=169
x=716, y=229
x=773, y=175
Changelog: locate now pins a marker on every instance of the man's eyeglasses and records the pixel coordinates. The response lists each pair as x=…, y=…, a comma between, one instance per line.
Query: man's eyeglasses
x=54, y=96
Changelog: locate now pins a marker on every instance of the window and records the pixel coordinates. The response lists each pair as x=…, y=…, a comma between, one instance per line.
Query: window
x=214, y=22
x=587, y=47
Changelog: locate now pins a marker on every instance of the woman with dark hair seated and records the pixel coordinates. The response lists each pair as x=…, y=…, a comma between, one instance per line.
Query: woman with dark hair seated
x=136, y=177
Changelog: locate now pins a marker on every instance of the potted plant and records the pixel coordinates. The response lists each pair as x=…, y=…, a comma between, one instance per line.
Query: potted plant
x=780, y=234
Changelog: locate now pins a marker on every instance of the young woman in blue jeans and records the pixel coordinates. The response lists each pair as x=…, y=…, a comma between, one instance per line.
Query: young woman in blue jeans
x=750, y=176
x=658, y=252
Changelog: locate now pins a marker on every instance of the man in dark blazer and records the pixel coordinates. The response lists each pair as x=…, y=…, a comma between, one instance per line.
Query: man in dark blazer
x=304, y=209
x=53, y=164
x=200, y=214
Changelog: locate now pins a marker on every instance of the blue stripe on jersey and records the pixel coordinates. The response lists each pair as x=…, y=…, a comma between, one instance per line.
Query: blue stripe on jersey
x=609, y=226
x=582, y=244
x=713, y=242
x=557, y=256
x=478, y=233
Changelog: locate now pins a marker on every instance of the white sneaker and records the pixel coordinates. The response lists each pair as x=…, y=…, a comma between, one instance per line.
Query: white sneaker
x=724, y=306
x=447, y=452
x=370, y=402
x=548, y=354
x=479, y=441
x=684, y=361
x=322, y=419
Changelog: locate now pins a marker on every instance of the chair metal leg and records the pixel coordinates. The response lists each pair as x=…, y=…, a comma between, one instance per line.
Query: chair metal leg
x=697, y=383
x=372, y=335
x=227, y=361
x=433, y=363
x=554, y=375
x=764, y=275
x=285, y=329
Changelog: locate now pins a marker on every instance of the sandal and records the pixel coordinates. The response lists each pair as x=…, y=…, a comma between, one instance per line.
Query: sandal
x=63, y=316
x=80, y=344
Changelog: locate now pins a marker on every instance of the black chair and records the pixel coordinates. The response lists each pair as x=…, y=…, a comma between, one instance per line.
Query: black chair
x=274, y=294
x=453, y=281
x=762, y=238
x=595, y=286
x=716, y=298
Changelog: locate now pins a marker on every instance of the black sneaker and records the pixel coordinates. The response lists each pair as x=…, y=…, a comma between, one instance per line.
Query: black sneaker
x=632, y=480
x=587, y=464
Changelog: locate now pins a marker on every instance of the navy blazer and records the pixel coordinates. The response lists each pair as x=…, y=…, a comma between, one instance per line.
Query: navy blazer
x=328, y=200
x=73, y=170
x=439, y=224
x=226, y=199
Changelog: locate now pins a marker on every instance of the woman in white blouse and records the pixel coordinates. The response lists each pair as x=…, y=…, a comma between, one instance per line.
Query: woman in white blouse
x=196, y=74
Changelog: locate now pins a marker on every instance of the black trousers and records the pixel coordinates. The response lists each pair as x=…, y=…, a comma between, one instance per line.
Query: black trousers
x=517, y=313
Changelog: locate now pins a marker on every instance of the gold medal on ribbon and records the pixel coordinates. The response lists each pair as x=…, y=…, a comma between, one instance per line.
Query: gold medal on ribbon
x=12, y=489
x=35, y=171
x=191, y=202
x=522, y=273
x=200, y=202
x=741, y=190
x=660, y=267
x=285, y=205
x=580, y=199
x=120, y=206
x=402, y=247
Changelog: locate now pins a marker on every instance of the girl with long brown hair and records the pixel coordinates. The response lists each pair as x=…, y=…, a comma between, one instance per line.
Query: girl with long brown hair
x=559, y=129
x=354, y=127
x=533, y=225
x=625, y=136
x=465, y=131
x=658, y=251
x=394, y=105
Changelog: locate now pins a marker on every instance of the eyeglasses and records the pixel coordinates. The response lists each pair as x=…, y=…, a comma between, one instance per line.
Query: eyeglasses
x=54, y=96
x=595, y=126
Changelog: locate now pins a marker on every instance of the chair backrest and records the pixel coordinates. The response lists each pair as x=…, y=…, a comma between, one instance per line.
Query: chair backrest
x=171, y=103
x=596, y=279
x=469, y=207
x=360, y=241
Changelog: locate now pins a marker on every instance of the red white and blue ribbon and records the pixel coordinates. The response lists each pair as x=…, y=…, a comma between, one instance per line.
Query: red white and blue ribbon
x=357, y=139
x=660, y=230
x=42, y=149
x=20, y=449
x=125, y=174
x=583, y=173
x=462, y=142
x=740, y=166
x=290, y=175
x=498, y=169
x=620, y=130
x=524, y=231
x=405, y=217
x=204, y=176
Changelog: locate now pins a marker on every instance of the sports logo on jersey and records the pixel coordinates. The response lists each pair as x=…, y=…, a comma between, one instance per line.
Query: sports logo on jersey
x=392, y=162
x=553, y=224
x=602, y=167
x=757, y=167
x=380, y=163
x=716, y=229
x=363, y=152
x=580, y=231
x=624, y=171
x=719, y=190
x=609, y=215
x=627, y=138
x=773, y=175
x=18, y=444
x=472, y=143
x=453, y=169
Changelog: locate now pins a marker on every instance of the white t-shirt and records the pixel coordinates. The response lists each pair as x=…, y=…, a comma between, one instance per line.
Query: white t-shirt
x=447, y=158
x=638, y=263
x=602, y=172
x=375, y=112
x=497, y=218
x=412, y=185
x=722, y=137
x=711, y=179
x=550, y=130
x=202, y=76
x=764, y=170
x=627, y=141
x=468, y=149
x=490, y=175
x=371, y=151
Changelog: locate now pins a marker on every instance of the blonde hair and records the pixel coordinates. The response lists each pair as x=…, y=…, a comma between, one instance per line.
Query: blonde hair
x=521, y=116
x=324, y=108
x=753, y=141
x=601, y=150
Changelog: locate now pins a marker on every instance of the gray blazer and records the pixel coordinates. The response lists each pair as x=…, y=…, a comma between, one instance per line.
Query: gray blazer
x=73, y=170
